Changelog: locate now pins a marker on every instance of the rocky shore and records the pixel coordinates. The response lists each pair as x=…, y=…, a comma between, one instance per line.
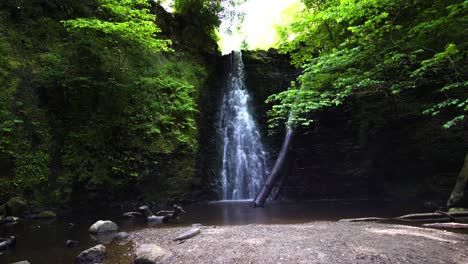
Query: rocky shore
x=316, y=242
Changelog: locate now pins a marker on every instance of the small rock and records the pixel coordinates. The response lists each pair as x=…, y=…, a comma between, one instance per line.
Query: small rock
x=155, y=220
x=46, y=215
x=71, y=243
x=92, y=255
x=22, y=262
x=10, y=219
x=6, y=243
x=146, y=211
x=122, y=238
x=151, y=254
x=197, y=225
x=103, y=227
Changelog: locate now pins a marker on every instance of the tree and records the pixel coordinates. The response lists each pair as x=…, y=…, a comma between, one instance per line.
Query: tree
x=352, y=48
x=382, y=48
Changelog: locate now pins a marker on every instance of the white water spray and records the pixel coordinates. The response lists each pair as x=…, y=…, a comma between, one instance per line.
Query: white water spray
x=244, y=158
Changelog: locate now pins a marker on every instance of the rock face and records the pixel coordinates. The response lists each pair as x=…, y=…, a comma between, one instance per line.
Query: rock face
x=103, y=227
x=369, y=147
x=151, y=254
x=92, y=255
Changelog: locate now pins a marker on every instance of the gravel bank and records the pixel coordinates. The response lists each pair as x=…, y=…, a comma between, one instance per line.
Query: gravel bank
x=317, y=242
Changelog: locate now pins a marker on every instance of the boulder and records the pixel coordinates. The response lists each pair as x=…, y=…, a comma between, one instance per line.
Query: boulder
x=151, y=254
x=15, y=207
x=22, y=262
x=103, y=227
x=92, y=255
x=122, y=238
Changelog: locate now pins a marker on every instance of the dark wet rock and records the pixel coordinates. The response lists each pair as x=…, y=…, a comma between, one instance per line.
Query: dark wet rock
x=6, y=243
x=71, y=243
x=155, y=220
x=12, y=219
x=122, y=238
x=92, y=255
x=151, y=254
x=150, y=217
x=103, y=227
x=145, y=210
x=15, y=207
x=46, y=215
x=8, y=219
x=189, y=234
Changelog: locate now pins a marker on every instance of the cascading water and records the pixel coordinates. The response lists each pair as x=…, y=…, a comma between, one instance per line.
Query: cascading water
x=244, y=157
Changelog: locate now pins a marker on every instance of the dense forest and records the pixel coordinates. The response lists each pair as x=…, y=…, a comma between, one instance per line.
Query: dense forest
x=109, y=99
x=95, y=99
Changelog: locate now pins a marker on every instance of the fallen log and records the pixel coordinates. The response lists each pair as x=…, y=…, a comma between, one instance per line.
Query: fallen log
x=447, y=225
x=424, y=217
x=189, y=234
x=433, y=216
x=364, y=219
x=275, y=174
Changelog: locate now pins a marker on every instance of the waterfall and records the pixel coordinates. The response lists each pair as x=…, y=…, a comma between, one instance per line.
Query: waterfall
x=244, y=157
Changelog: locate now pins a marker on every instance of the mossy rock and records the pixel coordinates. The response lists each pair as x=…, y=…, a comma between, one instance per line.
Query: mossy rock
x=15, y=207
x=458, y=210
x=46, y=215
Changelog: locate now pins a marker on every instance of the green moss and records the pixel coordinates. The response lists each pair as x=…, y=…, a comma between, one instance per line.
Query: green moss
x=46, y=215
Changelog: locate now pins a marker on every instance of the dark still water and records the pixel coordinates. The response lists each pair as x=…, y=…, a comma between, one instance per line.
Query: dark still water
x=43, y=242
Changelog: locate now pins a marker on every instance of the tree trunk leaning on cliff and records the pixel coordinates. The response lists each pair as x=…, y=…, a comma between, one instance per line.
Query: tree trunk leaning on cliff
x=262, y=196
x=458, y=193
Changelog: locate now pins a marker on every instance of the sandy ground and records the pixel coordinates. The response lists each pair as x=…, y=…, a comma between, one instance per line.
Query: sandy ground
x=317, y=242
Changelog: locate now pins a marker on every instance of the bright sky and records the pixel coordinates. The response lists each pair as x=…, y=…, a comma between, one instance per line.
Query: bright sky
x=258, y=29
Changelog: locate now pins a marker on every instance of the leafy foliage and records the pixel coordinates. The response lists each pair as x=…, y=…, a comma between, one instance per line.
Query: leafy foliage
x=129, y=21
x=388, y=48
x=92, y=100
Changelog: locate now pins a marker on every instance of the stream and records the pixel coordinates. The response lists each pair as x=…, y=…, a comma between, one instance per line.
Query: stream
x=43, y=241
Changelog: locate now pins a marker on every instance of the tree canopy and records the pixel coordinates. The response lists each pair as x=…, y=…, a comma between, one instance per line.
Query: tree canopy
x=353, y=48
